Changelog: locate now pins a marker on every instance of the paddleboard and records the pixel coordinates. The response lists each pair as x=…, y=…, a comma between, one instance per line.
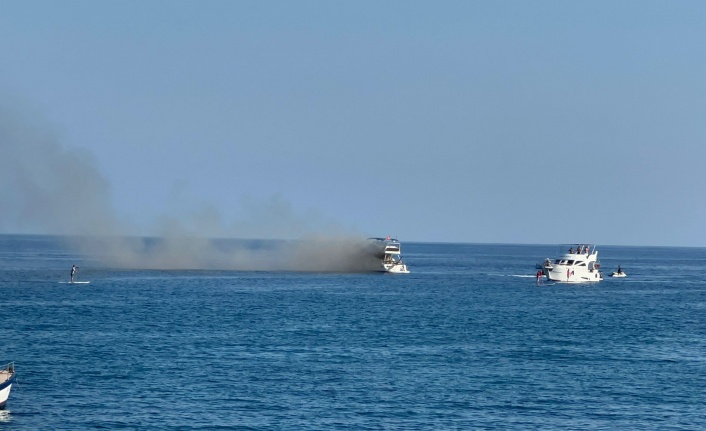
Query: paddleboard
x=75, y=282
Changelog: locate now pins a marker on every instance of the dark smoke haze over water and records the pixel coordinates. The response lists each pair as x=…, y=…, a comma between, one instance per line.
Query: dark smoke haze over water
x=46, y=188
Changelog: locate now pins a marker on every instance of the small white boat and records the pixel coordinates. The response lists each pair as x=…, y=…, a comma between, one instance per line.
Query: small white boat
x=619, y=273
x=389, y=250
x=578, y=265
x=7, y=378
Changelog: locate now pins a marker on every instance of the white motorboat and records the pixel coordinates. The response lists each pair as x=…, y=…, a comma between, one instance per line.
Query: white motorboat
x=619, y=273
x=389, y=251
x=7, y=378
x=578, y=265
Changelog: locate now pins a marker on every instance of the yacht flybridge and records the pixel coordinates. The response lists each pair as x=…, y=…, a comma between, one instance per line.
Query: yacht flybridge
x=578, y=265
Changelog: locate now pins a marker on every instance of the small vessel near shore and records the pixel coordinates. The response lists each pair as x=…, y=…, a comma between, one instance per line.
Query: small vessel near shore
x=578, y=265
x=389, y=251
x=7, y=378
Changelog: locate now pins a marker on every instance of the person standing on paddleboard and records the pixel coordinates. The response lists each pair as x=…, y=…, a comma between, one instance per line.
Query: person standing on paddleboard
x=74, y=270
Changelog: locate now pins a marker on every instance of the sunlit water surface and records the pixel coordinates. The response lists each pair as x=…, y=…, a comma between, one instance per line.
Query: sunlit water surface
x=466, y=341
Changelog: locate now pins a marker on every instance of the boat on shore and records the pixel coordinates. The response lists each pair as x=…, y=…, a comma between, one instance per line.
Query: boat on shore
x=389, y=251
x=7, y=378
x=578, y=265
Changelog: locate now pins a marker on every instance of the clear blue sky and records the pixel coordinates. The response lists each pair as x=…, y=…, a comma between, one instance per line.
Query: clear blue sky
x=469, y=121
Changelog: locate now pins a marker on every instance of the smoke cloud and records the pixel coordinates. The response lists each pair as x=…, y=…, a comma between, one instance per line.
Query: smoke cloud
x=46, y=188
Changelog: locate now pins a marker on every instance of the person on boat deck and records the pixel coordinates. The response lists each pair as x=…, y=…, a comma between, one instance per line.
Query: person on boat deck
x=571, y=250
x=585, y=249
x=619, y=270
x=74, y=268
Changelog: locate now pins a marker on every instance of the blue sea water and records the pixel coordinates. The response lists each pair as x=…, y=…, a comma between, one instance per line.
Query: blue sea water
x=467, y=341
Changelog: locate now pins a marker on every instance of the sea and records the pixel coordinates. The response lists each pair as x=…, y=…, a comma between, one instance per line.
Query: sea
x=467, y=341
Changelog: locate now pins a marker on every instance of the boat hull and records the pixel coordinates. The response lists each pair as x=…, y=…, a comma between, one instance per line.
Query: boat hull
x=395, y=268
x=565, y=275
x=5, y=389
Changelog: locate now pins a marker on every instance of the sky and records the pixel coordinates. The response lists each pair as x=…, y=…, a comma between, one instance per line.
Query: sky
x=544, y=122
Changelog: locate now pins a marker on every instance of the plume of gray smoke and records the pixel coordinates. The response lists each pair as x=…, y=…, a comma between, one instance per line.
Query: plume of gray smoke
x=319, y=253
x=48, y=189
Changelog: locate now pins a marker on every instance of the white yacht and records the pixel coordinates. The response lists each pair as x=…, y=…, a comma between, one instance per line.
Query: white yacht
x=388, y=250
x=579, y=265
